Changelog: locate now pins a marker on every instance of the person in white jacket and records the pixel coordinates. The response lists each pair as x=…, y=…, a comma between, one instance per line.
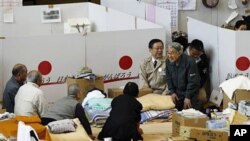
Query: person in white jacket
x=30, y=98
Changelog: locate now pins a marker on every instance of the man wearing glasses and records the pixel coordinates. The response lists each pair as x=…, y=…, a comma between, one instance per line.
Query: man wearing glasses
x=152, y=69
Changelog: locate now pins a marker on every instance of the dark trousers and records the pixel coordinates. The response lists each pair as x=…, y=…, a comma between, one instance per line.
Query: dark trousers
x=196, y=104
x=46, y=121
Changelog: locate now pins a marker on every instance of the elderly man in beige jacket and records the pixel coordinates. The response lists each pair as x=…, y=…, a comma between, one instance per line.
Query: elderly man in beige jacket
x=152, y=69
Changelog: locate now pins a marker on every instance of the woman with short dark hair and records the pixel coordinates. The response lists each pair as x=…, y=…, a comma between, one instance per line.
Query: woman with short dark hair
x=123, y=122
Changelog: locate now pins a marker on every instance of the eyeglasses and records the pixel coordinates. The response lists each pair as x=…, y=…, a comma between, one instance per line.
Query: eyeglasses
x=158, y=48
x=172, y=53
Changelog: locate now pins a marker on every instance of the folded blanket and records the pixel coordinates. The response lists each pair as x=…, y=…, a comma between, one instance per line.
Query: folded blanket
x=99, y=104
x=93, y=115
x=154, y=114
x=97, y=110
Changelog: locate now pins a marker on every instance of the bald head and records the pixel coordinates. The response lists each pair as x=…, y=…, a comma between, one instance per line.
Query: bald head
x=74, y=91
x=35, y=76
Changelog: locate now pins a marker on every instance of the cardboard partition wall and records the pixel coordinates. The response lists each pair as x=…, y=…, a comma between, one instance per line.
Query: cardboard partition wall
x=227, y=50
x=114, y=49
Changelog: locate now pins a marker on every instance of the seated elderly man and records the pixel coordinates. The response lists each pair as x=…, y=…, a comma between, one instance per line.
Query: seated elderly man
x=30, y=99
x=19, y=74
x=183, y=78
x=152, y=69
x=68, y=108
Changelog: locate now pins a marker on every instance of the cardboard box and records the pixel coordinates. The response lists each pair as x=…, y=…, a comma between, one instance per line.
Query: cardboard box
x=203, y=134
x=216, y=97
x=237, y=96
x=179, y=120
x=86, y=84
x=2, y=111
x=179, y=139
x=113, y=92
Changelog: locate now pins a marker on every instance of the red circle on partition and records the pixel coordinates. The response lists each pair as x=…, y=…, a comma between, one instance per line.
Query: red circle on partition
x=125, y=62
x=242, y=63
x=44, y=67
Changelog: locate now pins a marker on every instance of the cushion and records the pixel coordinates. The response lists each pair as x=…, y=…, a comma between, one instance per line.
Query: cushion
x=156, y=102
x=62, y=126
x=79, y=135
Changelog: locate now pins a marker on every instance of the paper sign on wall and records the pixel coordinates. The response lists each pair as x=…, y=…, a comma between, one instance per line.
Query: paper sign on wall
x=51, y=15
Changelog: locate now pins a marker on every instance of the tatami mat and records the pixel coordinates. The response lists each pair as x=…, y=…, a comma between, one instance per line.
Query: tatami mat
x=152, y=131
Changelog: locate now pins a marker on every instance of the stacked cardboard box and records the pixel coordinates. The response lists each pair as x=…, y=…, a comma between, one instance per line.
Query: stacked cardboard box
x=179, y=120
x=86, y=84
x=203, y=134
x=237, y=96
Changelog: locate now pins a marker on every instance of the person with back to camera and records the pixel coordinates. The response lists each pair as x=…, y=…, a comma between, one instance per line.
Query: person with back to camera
x=30, y=99
x=69, y=107
x=19, y=74
x=183, y=78
x=123, y=122
x=152, y=69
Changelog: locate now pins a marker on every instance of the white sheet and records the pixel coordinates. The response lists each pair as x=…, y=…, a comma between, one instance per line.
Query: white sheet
x=239, y=82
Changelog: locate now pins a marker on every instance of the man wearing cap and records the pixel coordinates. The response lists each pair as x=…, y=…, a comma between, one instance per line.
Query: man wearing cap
x=152, y=69
x=183, y=78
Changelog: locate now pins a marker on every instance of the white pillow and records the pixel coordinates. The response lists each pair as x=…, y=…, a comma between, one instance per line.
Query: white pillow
x=62, y=126
x=79, y=135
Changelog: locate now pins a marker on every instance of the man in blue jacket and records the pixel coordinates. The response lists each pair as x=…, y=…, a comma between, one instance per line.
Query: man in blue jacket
x=19, y=74
x=183, y=78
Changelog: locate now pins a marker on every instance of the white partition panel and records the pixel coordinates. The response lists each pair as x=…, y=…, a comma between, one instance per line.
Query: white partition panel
x=117, y=20
x=98, y=17
x=227, y=50
x=117, y=55
x=1, y=70
x=142, y=24
x=145, y=11
x=131, y=7
x=242, y=53
x=163, y=18
x=208, y=34
x=27, y=20
x=65, y=54
x=107, y=19
x=226, y=62
x=45, y=47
